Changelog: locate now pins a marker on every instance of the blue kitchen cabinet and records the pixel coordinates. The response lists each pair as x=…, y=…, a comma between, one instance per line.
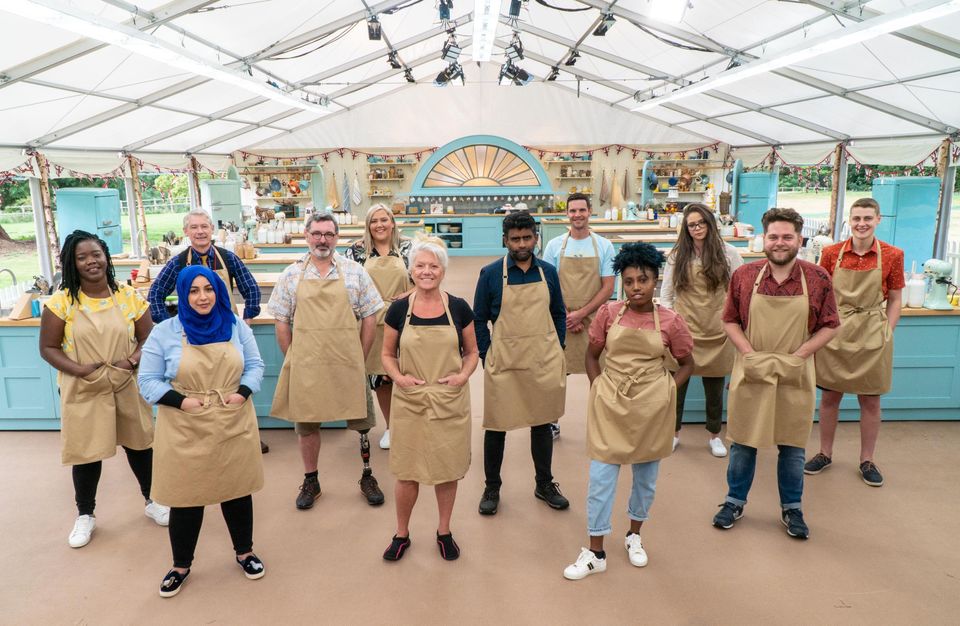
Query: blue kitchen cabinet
x=908, y=211
x=94, y=210
x=221, y=199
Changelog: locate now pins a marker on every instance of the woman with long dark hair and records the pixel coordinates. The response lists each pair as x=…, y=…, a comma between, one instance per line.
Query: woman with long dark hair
x=200, y=368
x=91, y=332
x=695, y=284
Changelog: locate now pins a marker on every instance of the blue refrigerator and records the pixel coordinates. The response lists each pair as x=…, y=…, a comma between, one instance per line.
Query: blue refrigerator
x=908, y=209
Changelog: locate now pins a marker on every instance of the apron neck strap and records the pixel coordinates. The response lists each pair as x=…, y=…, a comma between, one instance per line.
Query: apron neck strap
x=844, y=247
x=803, y=278
x=308, y=262
x=626, y=305
x=593, y=240
x=443, y=300
x=533, y=261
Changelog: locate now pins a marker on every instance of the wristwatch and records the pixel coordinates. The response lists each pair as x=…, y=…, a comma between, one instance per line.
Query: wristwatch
x=133, y=364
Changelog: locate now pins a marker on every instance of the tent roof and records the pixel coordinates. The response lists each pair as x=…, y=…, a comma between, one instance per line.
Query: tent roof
x=61, y=91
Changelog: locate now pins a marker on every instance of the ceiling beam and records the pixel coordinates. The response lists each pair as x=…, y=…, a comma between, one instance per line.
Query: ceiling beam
x=243, y=131
x=915, y=34
x=721, y=123
x=645, y=69
x=375, y=56
x=797, y=76
x=144, y=20
x=626, y=90
x=182, y=128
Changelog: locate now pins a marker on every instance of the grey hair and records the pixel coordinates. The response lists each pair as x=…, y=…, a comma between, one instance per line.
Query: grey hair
x=321, y=217
x=429, y=245
x=197, y=213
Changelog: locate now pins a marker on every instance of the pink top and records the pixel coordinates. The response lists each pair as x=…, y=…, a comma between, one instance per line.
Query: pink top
x=676, y=336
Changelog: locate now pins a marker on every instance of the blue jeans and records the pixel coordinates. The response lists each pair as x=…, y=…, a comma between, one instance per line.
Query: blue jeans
x=603, y=490
x=743, y=465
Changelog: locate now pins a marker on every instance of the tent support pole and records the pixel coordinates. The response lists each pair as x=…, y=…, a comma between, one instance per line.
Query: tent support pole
x=193, y=184
x=838, y=193
x=135, y=201
x=43, y=250
x=49, y=225
x=947, y=171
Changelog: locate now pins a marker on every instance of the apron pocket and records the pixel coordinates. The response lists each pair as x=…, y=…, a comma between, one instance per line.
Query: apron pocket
x=757, y=367
x=515, y=353
x=230, y=421
x=792, y=370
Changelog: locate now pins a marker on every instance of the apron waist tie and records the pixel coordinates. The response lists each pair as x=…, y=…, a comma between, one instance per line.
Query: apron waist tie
x=850, y=310
x=205, y=395
x=625, y=381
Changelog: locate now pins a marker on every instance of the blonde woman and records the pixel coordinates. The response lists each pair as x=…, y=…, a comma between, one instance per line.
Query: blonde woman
x=383, y=253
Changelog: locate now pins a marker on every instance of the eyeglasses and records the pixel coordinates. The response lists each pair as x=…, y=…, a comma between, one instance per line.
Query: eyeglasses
x=696, y=225
x=327, y=236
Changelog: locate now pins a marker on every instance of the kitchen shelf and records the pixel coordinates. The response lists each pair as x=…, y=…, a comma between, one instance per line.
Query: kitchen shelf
x=689, y=193
x=274, y=198
x=385, y=179
x=275, y=169
x=380, y=195
x=575, y=178
x=714, y=162
x=551, y=161
x=389, y=164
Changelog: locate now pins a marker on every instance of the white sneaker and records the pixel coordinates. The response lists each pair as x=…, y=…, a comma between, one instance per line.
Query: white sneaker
x=587, y=563
x=676, y=442
x=385, y=440
x=158, y=513
x=82, y=531
x=717, y=448
x=638, y=556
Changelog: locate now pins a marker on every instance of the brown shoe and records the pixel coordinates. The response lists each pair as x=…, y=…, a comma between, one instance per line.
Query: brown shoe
x=264, y=448
x=309, y=491
x=370, y=489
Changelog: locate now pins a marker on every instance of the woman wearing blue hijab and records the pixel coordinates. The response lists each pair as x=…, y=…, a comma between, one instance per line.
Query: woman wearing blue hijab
x=200, y=368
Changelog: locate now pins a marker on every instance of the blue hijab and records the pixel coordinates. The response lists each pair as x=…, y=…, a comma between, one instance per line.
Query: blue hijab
x=215, y=326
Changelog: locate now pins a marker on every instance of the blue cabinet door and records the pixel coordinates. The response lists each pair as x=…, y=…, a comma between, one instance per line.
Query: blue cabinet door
x=909, y=208
x=756, y=192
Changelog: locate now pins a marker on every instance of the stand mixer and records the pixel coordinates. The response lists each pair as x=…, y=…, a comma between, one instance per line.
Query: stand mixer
x=940, y=273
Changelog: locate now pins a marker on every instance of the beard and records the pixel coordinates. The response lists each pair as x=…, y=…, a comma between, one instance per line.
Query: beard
x=521, y=256
x=322, y=253
x=790, y=256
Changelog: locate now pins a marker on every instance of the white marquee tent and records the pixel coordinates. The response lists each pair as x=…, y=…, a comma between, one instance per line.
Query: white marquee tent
x=165, y=79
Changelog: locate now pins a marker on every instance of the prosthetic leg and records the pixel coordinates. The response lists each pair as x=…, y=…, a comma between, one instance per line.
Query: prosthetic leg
x=368, y=484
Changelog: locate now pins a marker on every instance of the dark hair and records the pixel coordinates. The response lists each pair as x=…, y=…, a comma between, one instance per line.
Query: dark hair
x=713, y=259
x=519, y=220
x=782, y=215
x=321, y=217
x=866, y=203
x=579, y=196
x=68, y=263
x=640, y=255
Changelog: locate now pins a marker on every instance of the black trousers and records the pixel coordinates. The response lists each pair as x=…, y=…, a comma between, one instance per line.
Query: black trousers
x=185, y=523
x=713, y=394
x=541, y=449
x=86, y=477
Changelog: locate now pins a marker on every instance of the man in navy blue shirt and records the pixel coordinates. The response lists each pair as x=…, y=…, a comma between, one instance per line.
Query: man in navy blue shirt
x=524, y=372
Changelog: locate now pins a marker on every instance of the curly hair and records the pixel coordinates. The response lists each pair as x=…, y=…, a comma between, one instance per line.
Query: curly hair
x=640, y=255
x=68, y=261
x=713, y=259
x=519, y=220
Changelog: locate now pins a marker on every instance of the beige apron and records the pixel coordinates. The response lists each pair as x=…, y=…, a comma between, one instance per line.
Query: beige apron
x=390, y=277
x=322, y=378
x=860, y=358
x=633, y=403
x=579, y=283
x=524, y=382
x=213, y=455
x=772, y=392
x=430, y=423
x=702, y=310
x=223, y=273
x=105, y=409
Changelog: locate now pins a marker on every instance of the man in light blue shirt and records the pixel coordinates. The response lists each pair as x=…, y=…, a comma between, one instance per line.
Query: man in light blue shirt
x=584, y=262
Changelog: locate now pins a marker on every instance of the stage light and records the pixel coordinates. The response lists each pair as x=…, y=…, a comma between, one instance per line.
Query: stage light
x=451, y=72
x=554, y=72
x=572, y=59
x=392, y=60
x=605, y=25
x=515, y=50
x=516, y=75
x=451, y=51
x=408, y=74
x=373, y=28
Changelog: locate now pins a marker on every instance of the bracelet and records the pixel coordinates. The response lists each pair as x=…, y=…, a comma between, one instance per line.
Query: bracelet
x=132, y=364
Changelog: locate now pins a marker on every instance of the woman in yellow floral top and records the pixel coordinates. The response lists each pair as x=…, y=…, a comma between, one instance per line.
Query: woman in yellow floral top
x=91, y=331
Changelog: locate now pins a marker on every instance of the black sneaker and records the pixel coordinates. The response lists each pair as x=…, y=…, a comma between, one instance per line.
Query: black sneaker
x=252, y=567
x=449, y=549
x=727, y=515
x=172, y=582
x=490, y=501
x=396, y=550
x=309, y=491
x=817, y=464
x=555, y=431
x=264, y=448
x=871, y=474
x=370, y=489
x=550, y=493
x=793, y=520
